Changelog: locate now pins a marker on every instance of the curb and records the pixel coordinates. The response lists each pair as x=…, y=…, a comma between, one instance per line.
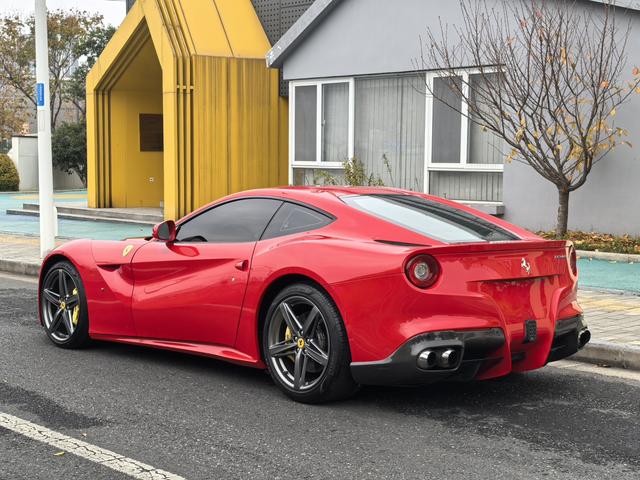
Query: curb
x=612, y=257
x=617, y=355
x=20, y=268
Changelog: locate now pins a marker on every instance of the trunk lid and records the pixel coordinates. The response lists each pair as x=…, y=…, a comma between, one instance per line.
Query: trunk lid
x=501, y=261
x=523, y=279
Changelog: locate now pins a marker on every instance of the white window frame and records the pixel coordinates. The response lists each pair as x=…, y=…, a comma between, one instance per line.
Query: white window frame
x=318, y=163
x=463, y=165
x=429, y=166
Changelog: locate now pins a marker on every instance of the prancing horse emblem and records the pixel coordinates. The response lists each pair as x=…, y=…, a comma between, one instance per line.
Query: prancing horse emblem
x=126, y=250
x=526, y=266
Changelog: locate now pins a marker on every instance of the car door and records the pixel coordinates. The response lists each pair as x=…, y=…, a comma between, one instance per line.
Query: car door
x=192, y=290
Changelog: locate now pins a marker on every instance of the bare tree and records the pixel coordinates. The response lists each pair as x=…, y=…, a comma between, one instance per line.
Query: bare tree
x=551, y=76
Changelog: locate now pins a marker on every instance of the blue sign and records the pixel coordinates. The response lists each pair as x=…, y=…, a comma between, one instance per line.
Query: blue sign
x=40, y=94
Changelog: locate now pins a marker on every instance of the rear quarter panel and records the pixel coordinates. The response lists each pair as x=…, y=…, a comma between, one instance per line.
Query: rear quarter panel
x=329, y=261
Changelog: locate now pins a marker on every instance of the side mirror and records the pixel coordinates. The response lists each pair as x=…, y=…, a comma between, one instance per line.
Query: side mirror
x=165, y=231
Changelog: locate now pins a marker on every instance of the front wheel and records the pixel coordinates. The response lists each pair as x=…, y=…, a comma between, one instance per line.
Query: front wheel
x=306, y=347
x=63, y=306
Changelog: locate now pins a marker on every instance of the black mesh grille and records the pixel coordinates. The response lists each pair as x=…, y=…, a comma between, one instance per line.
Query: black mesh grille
x=277, y=16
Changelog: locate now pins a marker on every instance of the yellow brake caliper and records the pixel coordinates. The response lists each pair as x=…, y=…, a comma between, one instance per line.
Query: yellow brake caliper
x=76, y=309
x=287, y=337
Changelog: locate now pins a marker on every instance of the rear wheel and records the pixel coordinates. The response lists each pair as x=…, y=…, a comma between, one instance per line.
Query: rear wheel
x=305, y=346
x=63, y=306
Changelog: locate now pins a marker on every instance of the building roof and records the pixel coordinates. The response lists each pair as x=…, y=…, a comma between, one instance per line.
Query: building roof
x=321, y=8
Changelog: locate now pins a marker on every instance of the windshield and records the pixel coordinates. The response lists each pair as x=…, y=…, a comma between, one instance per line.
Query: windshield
x=432, y=219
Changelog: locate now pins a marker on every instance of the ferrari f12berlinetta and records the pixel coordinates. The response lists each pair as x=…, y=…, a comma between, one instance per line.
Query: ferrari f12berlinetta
x=327, y=288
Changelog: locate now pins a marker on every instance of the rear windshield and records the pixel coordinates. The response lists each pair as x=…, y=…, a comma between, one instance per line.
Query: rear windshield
x=432, y=219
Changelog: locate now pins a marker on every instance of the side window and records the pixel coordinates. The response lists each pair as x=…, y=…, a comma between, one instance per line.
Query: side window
x=292, y=218
x=233, y=222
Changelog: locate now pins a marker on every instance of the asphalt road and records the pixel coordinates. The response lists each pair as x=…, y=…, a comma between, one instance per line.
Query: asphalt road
x=204, y=419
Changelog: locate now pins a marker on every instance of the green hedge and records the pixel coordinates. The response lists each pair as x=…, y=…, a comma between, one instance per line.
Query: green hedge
x=600, y=242
x=9, y=179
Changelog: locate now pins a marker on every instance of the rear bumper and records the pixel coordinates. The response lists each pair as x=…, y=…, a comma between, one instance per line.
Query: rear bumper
x=482, y=355
x=401, y=368
x=570, y=336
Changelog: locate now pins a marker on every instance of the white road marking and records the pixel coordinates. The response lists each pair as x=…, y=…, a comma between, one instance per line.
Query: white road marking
x=95, y=454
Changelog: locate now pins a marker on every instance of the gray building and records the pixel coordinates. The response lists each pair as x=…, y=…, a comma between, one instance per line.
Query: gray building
x=355, y=92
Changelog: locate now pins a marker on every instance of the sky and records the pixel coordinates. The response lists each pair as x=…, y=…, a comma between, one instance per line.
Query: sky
x=112, y=10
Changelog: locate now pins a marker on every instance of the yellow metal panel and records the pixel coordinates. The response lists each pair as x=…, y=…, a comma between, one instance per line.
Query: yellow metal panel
x=255, y=156
x=243, y=28
x=92, y=174
x=205, y=28
x=105, y=190
x=210, y=140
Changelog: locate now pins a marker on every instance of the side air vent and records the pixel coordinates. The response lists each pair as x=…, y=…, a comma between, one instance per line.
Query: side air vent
x=401, y=244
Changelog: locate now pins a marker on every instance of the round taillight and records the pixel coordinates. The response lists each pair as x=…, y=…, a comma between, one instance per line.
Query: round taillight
x=573, y=260
x=422, y=270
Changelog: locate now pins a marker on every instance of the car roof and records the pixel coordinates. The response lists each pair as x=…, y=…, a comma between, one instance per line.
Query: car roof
x=316, y=192
x=328, y=199
x=325, y=198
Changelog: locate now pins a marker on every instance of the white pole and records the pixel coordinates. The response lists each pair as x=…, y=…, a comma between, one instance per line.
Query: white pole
x=45, y=167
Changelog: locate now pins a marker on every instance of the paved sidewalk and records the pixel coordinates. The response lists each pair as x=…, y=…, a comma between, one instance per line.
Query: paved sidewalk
x=20, y=254
x=613, y=318
x=21, y=248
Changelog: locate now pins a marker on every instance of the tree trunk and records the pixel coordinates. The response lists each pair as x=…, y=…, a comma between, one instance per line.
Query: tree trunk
x=563, y=212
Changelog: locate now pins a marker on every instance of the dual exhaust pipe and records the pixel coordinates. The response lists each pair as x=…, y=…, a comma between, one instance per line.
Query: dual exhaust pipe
x=444, y=358
x=583, y=338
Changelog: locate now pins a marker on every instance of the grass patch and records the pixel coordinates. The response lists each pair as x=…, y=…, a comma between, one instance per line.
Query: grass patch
x=601, y=242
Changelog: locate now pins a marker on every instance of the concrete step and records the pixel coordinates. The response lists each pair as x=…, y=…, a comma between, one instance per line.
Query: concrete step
x=89, y=216
x=145, y=215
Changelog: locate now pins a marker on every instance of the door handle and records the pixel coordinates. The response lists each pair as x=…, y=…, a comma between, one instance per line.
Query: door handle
x=242, y=265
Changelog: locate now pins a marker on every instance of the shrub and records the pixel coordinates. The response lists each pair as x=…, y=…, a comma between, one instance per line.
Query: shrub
x=69, y=149
x=9, y=178
x=601, y=242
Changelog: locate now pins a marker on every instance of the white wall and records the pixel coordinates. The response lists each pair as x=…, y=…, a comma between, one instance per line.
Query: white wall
x=24, y=153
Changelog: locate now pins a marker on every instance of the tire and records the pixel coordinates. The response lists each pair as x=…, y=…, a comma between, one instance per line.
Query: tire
x=311, y=361
x=67, y=321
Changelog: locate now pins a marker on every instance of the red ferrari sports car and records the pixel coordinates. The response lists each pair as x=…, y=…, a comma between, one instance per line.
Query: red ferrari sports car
x=328, y=289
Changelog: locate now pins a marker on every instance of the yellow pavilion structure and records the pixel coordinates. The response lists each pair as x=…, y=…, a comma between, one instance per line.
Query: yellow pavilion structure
x=182, y=109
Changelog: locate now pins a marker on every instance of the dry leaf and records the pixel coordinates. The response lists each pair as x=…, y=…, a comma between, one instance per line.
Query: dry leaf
x=59, y=454
x=519, y=135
